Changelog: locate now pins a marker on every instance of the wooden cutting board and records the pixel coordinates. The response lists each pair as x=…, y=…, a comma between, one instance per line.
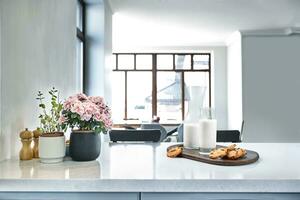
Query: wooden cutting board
x=193, y=154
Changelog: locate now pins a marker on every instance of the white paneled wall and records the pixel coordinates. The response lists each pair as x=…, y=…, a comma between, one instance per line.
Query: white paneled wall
x=38, y=51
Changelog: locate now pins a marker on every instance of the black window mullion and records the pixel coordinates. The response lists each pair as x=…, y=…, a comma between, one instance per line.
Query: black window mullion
x=117, y=62
x=209, y=79
x=182, y=96
x=174, y=64
x=134, y=61
x=154, y=85
x=192, y=62
x=125, y=99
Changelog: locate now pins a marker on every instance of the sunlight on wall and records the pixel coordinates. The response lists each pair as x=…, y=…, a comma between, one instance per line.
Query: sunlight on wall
x=234, y=73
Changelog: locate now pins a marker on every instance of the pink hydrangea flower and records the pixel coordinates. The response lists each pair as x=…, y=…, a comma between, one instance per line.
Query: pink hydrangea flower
x=78, y=108
x=70, y=102
x=67, y=104
x=107, y=122
x=61, y=119
x=96, y=100
x=89, y=109
x=98, y=117
x=81, y=97
x=86, y=117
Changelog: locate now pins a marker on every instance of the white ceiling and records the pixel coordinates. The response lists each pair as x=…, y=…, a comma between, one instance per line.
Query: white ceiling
x=146, y=23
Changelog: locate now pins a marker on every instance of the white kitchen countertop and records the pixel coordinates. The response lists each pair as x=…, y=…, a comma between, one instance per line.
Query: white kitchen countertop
x=146, y=168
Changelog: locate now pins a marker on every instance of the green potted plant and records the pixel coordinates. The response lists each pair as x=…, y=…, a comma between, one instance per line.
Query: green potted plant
x=87, y=117
x=52, y=140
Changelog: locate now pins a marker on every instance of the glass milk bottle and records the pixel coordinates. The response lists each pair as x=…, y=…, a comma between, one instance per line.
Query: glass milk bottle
x=191, y=136
x=207, y=130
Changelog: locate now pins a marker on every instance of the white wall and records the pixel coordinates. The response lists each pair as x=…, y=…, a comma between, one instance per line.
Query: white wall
x=234, y=81
x=219, y=73
x=271, y=88
x=38, y=51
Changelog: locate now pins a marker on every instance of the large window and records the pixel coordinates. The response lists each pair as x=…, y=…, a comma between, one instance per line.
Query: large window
x=156, y=84
x=80, y=44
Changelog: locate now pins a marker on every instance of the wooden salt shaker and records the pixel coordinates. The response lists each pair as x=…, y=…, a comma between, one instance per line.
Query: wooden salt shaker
x=36, y=135
x=26, y=139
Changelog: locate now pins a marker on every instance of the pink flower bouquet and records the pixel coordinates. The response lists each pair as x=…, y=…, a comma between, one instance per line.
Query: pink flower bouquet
x=86, y=113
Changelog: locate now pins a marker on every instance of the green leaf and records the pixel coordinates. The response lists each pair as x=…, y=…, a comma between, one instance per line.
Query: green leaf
x=97, y=130
x=60, y=106
x=54, y=105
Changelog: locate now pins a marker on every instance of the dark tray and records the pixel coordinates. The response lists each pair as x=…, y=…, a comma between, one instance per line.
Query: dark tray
x=193, y=154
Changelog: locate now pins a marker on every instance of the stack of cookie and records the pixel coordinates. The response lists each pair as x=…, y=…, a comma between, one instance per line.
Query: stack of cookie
x=230, y=152
x=174, y=152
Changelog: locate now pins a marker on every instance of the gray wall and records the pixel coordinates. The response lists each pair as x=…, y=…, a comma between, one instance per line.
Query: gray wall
x=99, y=49
x=271, y=88
x=94, y=71
x=108, y=59
x=38, y=51
x=98, y=66
x=1, y=137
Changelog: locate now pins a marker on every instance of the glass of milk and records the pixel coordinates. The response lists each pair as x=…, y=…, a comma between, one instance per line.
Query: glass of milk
x=191, y=134
x=207, y=127
x=191, y=139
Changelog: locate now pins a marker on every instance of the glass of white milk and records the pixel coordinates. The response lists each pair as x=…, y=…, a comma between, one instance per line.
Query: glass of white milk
x=207, y=127
x=191, y=134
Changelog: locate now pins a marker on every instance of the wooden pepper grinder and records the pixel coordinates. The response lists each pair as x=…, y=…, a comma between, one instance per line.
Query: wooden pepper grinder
x=36, y=135
x=26, y=139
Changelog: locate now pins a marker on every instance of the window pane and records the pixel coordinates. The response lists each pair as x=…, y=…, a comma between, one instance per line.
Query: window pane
x=114, y=61
x=183, y=61
x=164, y=61
x=125, y=62
x=197, y=79
x=144, y=61
x=118, y=96
x=79, y=64
x=201, y=61
x=79, y=16
x=139, y=95
x=169, y=96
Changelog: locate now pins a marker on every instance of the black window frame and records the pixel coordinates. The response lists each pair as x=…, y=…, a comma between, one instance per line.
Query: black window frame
x=154, y=71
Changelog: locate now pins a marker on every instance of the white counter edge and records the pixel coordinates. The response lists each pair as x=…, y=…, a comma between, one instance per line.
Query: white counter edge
x=207, y=186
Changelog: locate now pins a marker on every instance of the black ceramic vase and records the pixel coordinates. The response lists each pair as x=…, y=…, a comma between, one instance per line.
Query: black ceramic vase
x=84, y=145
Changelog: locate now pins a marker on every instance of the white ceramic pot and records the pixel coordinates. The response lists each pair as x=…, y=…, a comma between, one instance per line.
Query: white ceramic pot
x=52, y=149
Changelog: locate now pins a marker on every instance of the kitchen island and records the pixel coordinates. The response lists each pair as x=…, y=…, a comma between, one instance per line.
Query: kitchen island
x=143, y=171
